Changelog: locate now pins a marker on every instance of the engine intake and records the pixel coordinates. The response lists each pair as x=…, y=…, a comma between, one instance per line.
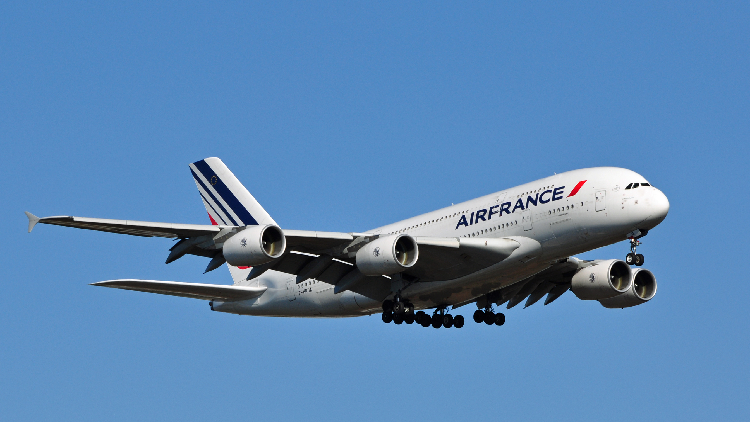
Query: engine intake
x=254, y=245
x=642, y=290
x=603, y=280
x=387, y=255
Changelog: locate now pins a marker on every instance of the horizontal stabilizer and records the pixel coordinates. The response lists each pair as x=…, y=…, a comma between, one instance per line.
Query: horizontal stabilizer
x=191, y=290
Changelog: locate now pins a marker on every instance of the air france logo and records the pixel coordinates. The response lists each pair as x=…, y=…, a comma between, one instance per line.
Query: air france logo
x=243, y=242
x=592, y=278
x=505, y=208
x=376, y=252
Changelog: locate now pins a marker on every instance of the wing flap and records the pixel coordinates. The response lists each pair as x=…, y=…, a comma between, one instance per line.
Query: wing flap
x=190, y=290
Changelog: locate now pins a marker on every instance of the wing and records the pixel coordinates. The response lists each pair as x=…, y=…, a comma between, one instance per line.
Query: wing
x=191, y=290
x=200, y=239
x=134, y=228
x=310, y=254
x=553, y=282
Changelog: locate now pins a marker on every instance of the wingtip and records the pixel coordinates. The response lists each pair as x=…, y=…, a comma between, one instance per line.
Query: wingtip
x=32, y=220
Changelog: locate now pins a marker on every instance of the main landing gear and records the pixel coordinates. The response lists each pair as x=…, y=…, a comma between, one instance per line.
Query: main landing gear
x=400, y=311
x=489, y=317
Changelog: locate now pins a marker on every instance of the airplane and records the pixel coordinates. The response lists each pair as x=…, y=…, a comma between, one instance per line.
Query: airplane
x=513, y=245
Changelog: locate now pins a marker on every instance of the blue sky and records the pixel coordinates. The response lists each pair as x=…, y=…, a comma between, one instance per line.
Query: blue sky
x=347, y=116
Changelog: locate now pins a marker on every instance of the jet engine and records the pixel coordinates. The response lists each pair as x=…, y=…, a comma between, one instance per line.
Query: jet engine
x=387, y=255
x=254, y=245
x=602, y=280
x=641, y=291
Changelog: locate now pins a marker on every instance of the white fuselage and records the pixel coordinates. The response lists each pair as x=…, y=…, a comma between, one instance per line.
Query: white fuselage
x=550, y=218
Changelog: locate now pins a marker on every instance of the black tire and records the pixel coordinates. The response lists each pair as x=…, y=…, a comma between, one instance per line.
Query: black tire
x=419, y=316
x=499, y=319
x=426, y=321
x=387, y=305
x=630, y=259
x=478, y=316
x=409, y=318
x=398, y=318
x=399, y=308
x=639, y=260
x=437, y=321
x=458, y=321
x=448, y=321
x=387, y=317
x=489, y=318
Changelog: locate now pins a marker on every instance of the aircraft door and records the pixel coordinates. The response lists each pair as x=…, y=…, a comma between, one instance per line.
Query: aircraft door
x=291, y=288
x=601, y=200
x=526, y=220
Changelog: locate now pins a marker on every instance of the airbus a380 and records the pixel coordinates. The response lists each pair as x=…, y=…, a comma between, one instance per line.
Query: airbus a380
x=506, y=247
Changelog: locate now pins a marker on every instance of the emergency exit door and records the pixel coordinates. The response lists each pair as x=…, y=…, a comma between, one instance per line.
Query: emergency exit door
x=601, y=200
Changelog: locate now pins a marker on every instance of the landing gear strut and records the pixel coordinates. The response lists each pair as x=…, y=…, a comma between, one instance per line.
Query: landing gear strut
x=633, y=258
x=489, y=317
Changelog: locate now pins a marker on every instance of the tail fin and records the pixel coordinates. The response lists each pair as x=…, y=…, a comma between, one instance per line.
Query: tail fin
x=239, y=275
x=226, y=200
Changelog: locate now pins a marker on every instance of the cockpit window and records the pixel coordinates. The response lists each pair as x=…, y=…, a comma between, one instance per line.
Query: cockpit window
x=635, y=185
x=645, y=184
x=629, y=186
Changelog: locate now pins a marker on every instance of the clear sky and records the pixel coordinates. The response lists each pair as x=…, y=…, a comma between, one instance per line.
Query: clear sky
x=344, y=117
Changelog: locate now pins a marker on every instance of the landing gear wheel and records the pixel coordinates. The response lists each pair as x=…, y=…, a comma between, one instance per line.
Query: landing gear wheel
x=419, y=316
x=447, y=321
x=458, y=321
x=478, y=316
x=387, y=317
x=399, y=308
x=437, y=321
x=639, y=260
x=426, y=321
x=489, y=318
x=409, y=318
x=398, y=318
x=387, y=305
x=499, y=319
x=630, y=259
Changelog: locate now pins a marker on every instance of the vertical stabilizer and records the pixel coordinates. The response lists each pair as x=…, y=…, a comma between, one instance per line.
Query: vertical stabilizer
x=227, y=201
x=239, y=275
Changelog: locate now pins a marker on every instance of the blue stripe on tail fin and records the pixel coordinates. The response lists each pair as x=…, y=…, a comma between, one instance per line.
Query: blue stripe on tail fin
x=226, y=200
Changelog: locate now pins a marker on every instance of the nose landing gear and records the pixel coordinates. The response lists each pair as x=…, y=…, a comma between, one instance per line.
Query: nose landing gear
x=634, y=258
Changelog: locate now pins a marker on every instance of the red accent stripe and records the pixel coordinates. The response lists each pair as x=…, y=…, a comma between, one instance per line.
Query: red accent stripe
x=577, y=188
x=212, y=220
x=243, y=268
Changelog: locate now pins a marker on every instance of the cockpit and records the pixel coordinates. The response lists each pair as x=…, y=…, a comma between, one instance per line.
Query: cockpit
x=635, y=185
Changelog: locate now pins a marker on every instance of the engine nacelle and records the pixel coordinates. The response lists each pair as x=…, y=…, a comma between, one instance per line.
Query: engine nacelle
x=641, y=291
x=603, y=280
x=387, y=255
x=254, y=245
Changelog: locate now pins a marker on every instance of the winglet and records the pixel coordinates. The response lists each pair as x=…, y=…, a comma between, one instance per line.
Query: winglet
x=32, y=220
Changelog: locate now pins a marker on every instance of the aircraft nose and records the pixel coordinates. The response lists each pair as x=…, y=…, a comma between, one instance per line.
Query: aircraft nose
x=659, y=206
